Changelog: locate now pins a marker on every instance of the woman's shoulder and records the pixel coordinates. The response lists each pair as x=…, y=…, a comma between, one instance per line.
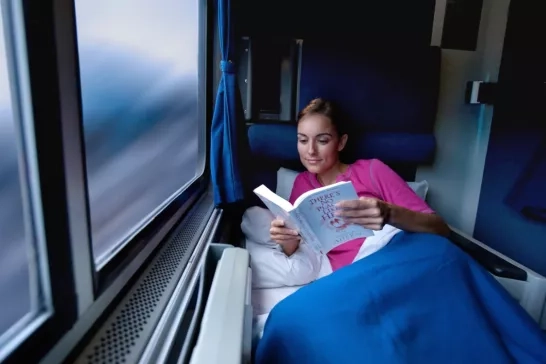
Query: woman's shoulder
x=373, y=163
x=367, y=164
x=368, y=171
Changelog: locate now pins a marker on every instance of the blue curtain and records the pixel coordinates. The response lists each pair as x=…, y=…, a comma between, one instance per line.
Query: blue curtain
x=227, y=122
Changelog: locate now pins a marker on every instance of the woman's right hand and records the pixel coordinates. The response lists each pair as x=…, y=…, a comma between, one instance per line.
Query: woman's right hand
x=287, y=238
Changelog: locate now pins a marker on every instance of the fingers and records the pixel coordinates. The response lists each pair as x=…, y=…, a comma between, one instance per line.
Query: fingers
x=278, y=227
x=281, y=234
x=361, y=203
x=372, y=223
x=281, y=239
x=366, y=212
x=357, y=213
x=362, y=208
x=283, y=231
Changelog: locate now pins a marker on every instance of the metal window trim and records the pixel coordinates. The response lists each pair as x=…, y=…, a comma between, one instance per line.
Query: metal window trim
x=36, y=254
x=70, y=340
x=35, y=60
x=203, y=86
x=74, y=153
x=125, y=332
x=160, y=344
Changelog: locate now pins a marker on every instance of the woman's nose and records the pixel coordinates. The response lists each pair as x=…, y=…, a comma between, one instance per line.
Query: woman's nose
x=312, y=148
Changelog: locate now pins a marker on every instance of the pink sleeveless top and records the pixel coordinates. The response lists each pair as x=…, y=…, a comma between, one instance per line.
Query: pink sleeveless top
x=371, y=178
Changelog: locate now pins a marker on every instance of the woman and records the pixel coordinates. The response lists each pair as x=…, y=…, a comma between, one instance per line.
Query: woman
x=419, y=299
x=385, y=198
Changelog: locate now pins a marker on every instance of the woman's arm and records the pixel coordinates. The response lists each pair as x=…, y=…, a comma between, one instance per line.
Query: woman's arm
x=374, y=214
x=399, y=205
x=413, y=221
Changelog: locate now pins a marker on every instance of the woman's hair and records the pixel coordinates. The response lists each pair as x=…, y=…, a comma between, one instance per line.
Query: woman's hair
x=326, y=108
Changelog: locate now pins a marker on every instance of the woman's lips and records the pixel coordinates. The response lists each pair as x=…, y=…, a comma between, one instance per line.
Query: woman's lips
x=313, y=161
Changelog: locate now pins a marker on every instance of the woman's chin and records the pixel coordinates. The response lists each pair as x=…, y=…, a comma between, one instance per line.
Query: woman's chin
x=313, y=168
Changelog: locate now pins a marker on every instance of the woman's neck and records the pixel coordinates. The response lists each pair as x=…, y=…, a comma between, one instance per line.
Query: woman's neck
x=329, y=177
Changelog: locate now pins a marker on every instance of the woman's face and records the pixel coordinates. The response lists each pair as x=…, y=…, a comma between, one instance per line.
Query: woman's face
x=318, y=143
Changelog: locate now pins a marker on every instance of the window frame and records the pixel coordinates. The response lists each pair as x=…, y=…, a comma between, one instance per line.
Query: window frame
x=46, y=109
x=80, y=293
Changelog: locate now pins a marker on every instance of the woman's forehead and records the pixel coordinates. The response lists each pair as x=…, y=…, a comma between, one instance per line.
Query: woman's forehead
x=315, y=124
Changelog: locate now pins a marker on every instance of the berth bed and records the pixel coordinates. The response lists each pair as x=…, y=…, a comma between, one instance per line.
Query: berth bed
x=390, y=97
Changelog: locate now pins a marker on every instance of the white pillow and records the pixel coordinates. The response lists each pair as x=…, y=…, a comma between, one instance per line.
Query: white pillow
x=286, y=178
x=255, y=225
x=285, y=182
x=420, y=188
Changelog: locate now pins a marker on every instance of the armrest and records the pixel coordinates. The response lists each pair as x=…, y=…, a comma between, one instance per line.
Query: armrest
x=525, y=285
x=222, y=334
x=494, y=263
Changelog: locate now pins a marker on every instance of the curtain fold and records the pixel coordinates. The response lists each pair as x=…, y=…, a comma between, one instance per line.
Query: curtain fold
x=227, y=139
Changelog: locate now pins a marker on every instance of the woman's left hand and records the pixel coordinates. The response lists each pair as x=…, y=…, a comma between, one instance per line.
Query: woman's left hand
x=368, y=212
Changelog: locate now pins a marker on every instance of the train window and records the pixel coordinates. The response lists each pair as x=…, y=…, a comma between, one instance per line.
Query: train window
x=139, y=84
x=22, y=296
x=14, y=268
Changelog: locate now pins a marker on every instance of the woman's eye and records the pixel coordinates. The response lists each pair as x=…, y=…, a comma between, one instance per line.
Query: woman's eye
x=303, y=141
x=324, y=141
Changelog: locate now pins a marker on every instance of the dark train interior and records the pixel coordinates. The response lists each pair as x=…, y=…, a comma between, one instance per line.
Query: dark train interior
x=133, y=134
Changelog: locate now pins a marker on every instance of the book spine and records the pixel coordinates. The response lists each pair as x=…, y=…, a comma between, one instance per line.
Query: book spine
x=307, y=233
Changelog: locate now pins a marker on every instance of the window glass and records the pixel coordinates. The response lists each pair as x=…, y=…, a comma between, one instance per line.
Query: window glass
x=138, y=69
x=15, y=299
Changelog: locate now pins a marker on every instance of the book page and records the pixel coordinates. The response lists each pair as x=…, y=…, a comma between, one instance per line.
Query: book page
x=318, y=209
x=318, y=191
x=277, y=205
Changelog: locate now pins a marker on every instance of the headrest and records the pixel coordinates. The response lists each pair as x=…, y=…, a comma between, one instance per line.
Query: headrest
x=275, y=145
x=278, y=142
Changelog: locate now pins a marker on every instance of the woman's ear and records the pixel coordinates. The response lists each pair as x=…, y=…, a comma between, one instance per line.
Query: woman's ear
x=342, y=142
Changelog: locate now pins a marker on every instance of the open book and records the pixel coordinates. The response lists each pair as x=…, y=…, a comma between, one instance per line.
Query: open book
x=313, y=215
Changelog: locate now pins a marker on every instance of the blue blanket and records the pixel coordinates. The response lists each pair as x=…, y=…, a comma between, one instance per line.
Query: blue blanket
x=418, y=300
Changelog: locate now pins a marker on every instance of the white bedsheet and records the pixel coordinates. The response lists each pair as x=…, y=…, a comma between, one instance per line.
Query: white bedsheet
x=258, y=325
x=263, y=300
x=275, y=276
x=271, y=268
